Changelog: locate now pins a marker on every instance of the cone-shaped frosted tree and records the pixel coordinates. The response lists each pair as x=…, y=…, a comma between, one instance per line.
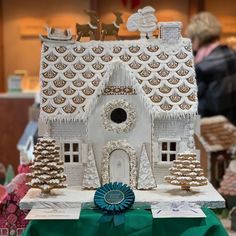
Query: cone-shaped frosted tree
x=47, y=168
x=91, y=178
x=146, y=178
x=186, y=172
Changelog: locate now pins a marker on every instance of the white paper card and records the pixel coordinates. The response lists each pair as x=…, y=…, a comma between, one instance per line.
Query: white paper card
x=191, y=213
x=54, y=214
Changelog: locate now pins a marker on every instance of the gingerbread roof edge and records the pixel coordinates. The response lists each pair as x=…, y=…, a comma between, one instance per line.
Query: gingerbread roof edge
x=217, y=134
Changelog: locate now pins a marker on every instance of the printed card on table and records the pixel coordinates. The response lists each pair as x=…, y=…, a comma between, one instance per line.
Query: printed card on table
x=196, y=213
x=176, y=210
x=54, y=214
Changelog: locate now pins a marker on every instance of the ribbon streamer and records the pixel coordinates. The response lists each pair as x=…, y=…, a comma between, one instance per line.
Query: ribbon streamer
x=118, y=219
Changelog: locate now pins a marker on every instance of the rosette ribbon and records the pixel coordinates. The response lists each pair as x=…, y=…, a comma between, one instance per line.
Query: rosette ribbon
x=114, y=199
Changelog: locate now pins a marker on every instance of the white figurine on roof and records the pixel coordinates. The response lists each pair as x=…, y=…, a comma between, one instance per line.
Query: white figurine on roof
x=58, y=34
x=145, y=21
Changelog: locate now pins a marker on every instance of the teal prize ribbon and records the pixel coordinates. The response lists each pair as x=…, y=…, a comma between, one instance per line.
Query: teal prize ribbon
x=113, y=199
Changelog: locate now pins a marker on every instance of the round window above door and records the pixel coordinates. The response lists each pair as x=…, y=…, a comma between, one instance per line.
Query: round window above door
x=118, y=116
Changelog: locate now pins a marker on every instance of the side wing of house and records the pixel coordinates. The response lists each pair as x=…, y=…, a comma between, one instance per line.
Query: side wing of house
x=218, y=137
x=170, y=137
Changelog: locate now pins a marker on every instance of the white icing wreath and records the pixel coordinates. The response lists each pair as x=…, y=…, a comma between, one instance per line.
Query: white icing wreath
x=123, y=127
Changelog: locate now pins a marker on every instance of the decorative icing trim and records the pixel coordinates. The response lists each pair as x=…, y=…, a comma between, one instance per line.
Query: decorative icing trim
x=115, y=145
x=119, y=90
x=123, y=127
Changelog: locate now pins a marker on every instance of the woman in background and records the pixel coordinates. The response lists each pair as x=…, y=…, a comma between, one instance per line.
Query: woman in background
x=215, y=68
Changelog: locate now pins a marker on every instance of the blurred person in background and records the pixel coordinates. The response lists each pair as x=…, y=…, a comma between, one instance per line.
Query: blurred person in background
x=215, y=66
x=231, y=41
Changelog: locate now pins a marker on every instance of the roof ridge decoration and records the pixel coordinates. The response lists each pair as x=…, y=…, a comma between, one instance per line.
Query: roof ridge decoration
x=73, y=75
x=144, y=20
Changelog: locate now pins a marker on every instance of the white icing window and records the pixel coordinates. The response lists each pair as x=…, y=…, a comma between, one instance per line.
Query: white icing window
x=71, y=152
x=118, y=115
x=168, y=151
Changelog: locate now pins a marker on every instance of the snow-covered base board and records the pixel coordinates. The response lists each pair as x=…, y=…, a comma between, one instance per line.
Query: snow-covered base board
x=205, y=196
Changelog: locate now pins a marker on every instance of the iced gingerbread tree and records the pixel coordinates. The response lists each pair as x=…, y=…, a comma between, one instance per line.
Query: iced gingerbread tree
x=146, y=178
x=91, y=178
x=47, y=168
x=186, y=172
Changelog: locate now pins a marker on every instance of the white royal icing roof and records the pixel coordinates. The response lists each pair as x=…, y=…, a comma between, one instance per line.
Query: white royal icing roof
x=73, y=74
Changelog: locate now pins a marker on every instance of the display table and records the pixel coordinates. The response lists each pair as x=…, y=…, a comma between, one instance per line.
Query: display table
x=137, y=223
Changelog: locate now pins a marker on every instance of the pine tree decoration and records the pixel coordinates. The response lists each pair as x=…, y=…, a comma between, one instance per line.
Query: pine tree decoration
x=47, y=168
x=186, y=172
x=91, y=178
x=146, y=179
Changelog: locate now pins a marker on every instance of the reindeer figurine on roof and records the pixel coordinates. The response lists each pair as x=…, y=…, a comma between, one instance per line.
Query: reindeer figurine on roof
x=112, y=29
x=90, y=29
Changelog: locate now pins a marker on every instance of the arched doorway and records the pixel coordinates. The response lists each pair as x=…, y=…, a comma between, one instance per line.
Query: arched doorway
x=119, y=163
x=119, y=166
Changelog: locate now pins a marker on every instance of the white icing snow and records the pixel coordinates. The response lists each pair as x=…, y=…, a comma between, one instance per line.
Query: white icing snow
x=184, y=178
x=214, y=119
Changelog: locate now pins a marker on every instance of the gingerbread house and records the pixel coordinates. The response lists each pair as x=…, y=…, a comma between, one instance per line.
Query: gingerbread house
x=27, y=142
x=29, y=137
x=105, y=100
x=216, y=142
x=227, y=185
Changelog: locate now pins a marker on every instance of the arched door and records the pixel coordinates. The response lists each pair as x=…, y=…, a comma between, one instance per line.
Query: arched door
x=119, y=166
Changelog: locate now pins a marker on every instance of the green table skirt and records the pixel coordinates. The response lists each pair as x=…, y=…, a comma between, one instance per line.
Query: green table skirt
x=137, y=223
